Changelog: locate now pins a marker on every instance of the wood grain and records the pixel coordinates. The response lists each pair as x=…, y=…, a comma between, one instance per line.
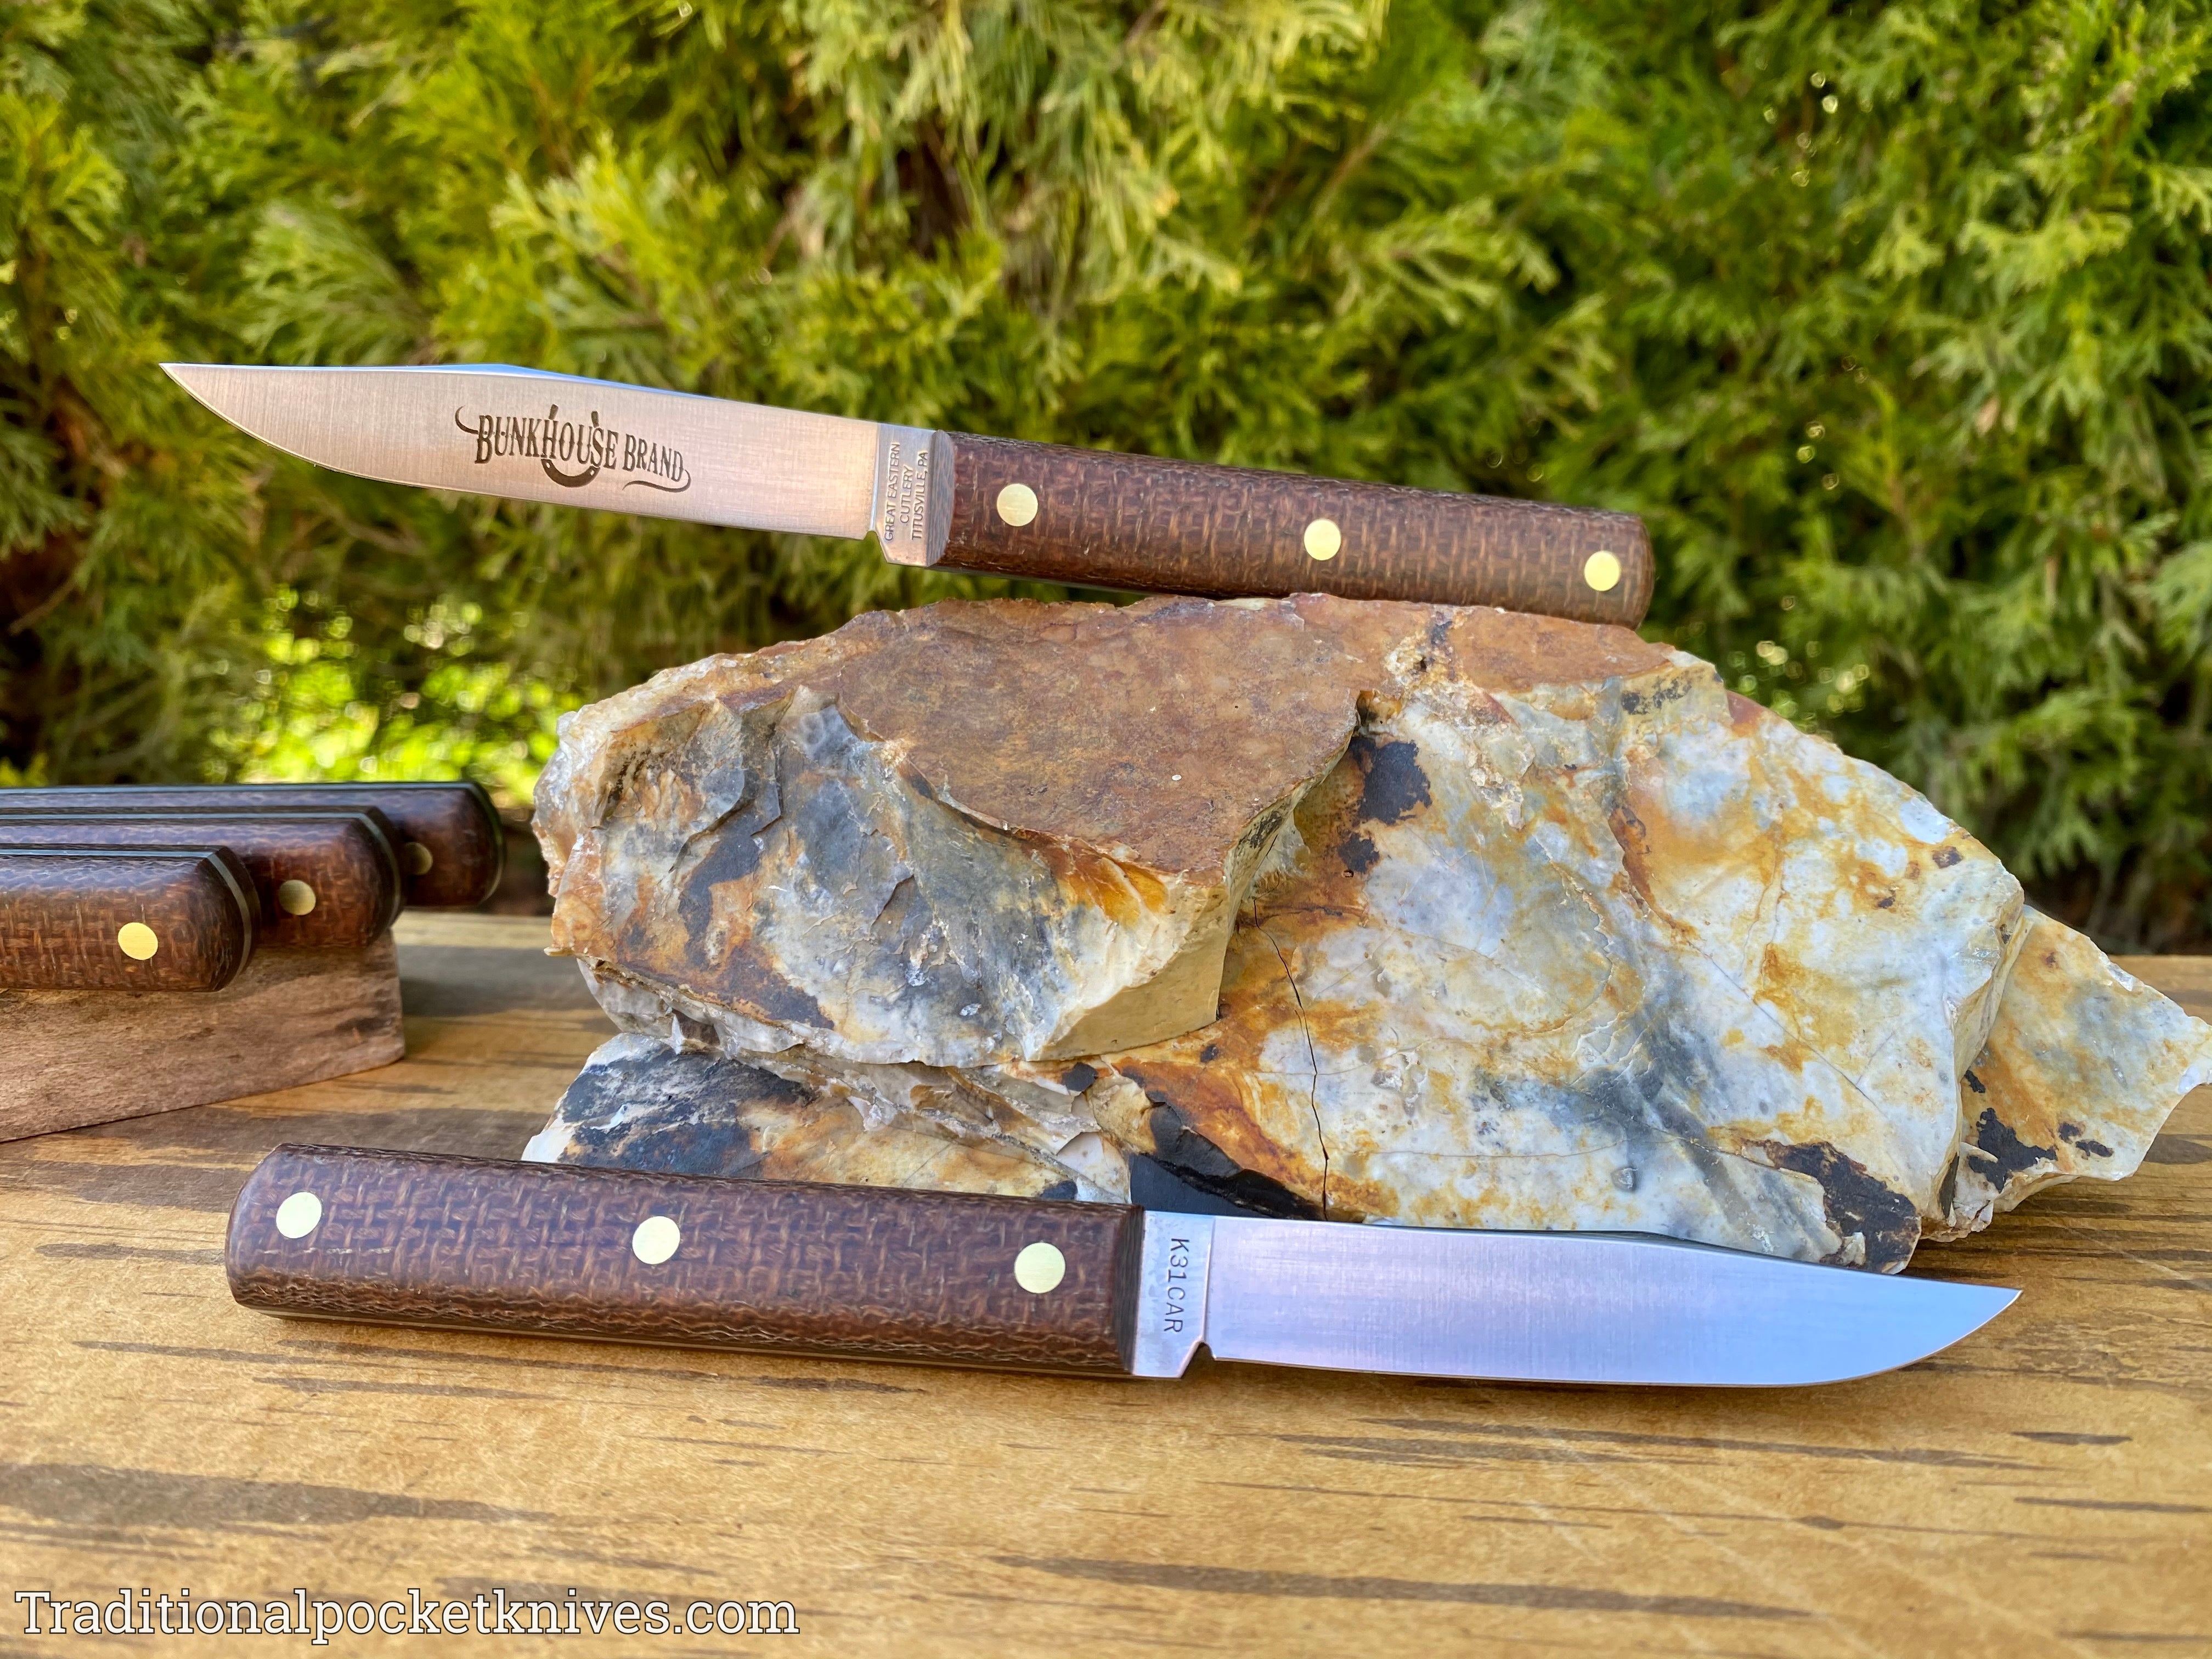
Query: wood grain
x=344, y=858
x=455, y=824
x=473, y=1244
x=2040, y=1491
x=291, y=1017
x=63, y=914
x=1140, y=523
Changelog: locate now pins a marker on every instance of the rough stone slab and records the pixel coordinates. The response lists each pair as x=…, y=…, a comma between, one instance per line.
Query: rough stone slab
x=2082, y=1067
x=943, y=835
x=1535, y=925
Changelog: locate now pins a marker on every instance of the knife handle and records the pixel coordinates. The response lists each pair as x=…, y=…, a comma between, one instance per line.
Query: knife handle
x=450, y=844
x=1136, y=521
x=325, y=880
x=550, y=1250
x=167, y=920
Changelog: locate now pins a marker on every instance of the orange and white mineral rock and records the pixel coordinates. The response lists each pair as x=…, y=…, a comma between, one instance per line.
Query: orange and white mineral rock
x=1375, y=912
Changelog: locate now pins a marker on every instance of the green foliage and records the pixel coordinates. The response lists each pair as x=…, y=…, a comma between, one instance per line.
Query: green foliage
x=1893, y=321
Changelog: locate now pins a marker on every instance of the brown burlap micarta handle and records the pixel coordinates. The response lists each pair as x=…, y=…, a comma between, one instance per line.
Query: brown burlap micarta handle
x=411, y=1238
x=325, y=880
x=83, y=920
x=1097, y=519
x=448, y=836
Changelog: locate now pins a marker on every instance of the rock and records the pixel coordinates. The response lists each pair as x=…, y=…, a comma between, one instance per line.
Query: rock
x=642, y=1103
x=943, y=835
x=1363, y=911
x=2084, y=1065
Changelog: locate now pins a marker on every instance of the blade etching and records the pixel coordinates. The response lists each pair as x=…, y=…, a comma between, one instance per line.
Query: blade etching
x=553, y=440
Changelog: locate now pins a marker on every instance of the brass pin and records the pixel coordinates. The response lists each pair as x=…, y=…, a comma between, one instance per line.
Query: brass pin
x=294, y=897
x=415, y=858
x=1017, y=505
x=1601, y=571
x=299, y=1215
x=137, y=941
x=655, y=1240
x=1040, y=1268
x=1323, y=539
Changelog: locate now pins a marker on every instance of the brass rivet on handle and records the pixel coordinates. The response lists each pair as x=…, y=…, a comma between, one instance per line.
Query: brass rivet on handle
x=415, y=858
x=655, y=1240
x=1601, y=571
x=299, y=1215
x=1323, y=539
x=1040, y=1268
x=294, y=897
x=137, y=941
x=1017, y=505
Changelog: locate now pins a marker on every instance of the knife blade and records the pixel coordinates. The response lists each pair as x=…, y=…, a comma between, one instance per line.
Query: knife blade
x=956, y=1278
x=325, y=880
x=180, y=918
x=952, y=501
x=449, y=842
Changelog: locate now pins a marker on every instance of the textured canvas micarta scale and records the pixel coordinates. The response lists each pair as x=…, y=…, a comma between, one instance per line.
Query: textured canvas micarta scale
x=1154, y=526
x=456, y=822
x=416, y=1239
x=60, y=913
x=342, y=856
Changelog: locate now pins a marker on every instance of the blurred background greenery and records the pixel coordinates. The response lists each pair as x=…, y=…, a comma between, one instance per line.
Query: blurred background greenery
x=1891, y=319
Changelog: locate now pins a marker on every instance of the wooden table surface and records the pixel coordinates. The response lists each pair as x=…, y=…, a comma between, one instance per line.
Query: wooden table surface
x=2045, y=1487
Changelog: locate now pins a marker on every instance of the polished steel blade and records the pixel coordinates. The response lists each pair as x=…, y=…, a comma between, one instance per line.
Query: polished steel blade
x=1529, y=1307
x=496, y=430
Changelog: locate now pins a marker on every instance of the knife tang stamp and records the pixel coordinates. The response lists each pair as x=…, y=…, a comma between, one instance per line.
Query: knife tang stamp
x=446, y=836
x=1171, y=1294
x=325, y=880
x=166, y=920
x=630, y=1255
x=1097, y=520
x=913, y=493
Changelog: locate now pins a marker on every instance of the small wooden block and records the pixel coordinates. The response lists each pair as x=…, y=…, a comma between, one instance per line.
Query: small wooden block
x=292, y=1016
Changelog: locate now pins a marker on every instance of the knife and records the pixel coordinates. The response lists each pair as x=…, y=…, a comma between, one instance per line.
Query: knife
x=416, y=1238
x=450, y=845
x=323, y=880
x=943, y=499
x=178, y=919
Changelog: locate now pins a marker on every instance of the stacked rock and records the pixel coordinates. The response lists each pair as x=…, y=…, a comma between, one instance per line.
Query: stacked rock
x=1368, y=911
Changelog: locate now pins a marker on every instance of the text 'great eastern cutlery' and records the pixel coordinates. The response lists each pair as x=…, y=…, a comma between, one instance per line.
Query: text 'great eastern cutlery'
x=1035, y=1285
x=960, y=502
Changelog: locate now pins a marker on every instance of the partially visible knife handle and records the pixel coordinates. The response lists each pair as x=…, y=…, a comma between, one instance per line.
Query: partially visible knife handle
x=172, y=921
x=1136, y=521
x=323, y=880
x=412, y=1238
x=448, y=837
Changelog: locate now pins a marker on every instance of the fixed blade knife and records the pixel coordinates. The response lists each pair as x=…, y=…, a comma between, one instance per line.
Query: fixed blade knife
x=448, y=839
x=951, y=501
x=953, y=1279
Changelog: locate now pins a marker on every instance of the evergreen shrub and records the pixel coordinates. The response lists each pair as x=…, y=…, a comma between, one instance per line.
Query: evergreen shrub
x=1891, y=319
